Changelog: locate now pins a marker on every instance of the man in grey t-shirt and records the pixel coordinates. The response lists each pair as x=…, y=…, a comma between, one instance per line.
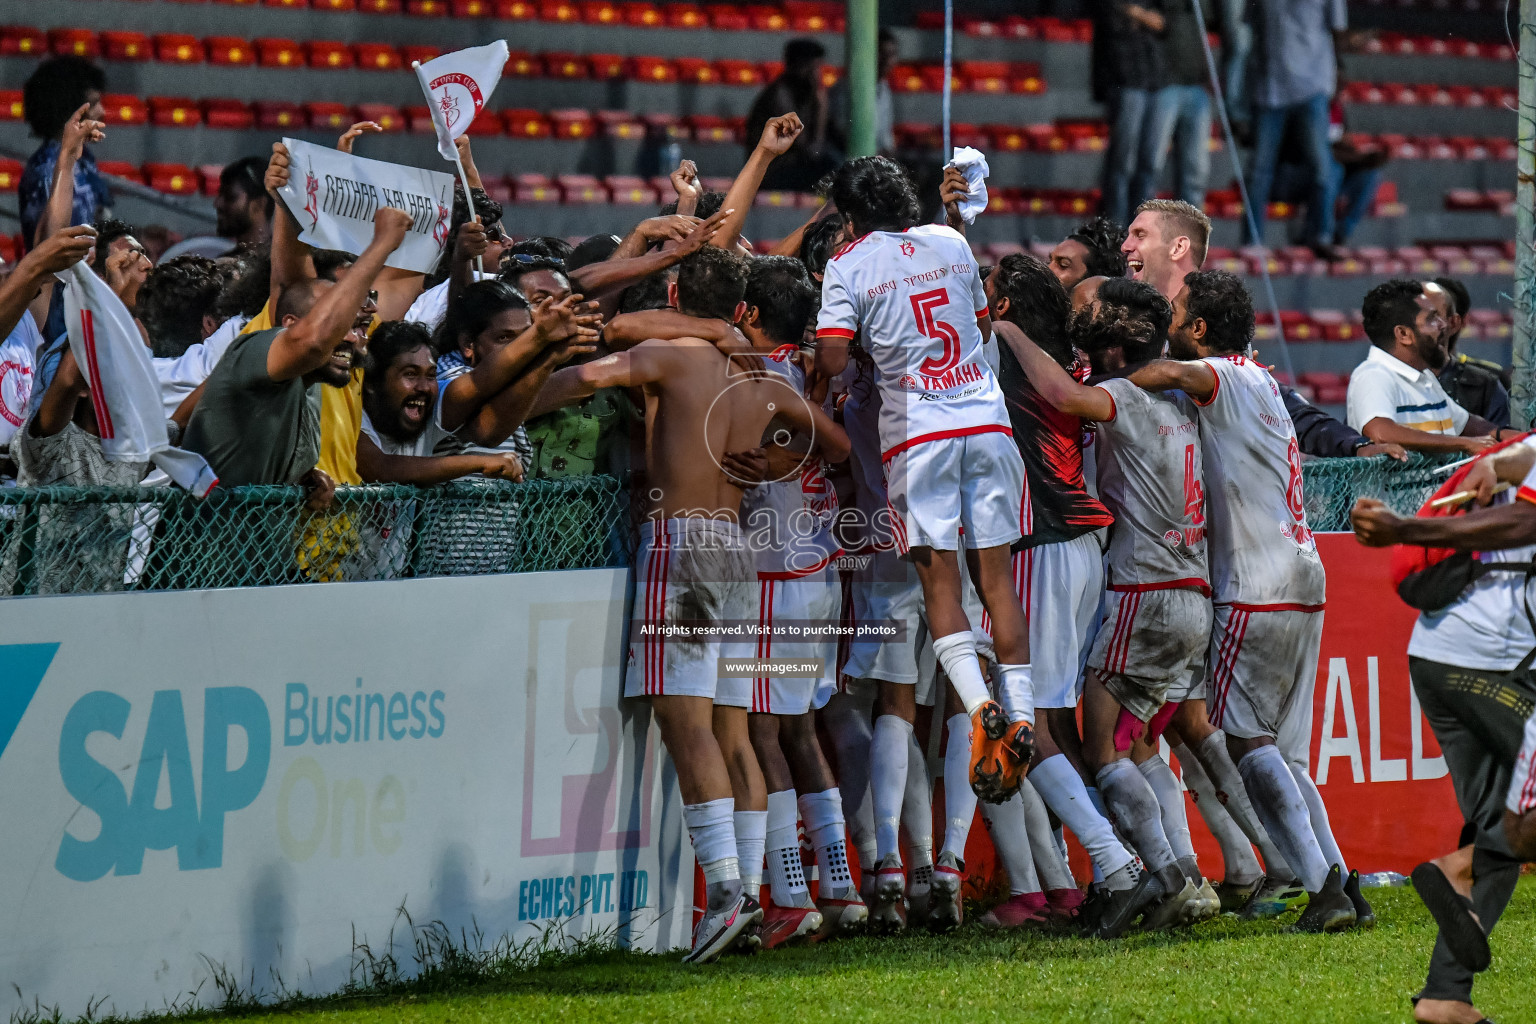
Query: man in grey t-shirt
x=258, y=421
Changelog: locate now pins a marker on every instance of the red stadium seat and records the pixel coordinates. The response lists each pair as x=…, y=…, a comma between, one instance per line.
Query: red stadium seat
x=573, y=124
x=177, y=179
x=533, y=188
x=581, y=188
x=120, y=169
x=379, y=6
x=377, y=57
x=985, y=75
x=472, y=8
x=566, y=65
x=327, y=116
x=527, y=124
x=763, y=18
x=667, y=125
x=279, y=53
x=1026, y=78
x=335, y=5
x=653, y=69
x=771, y=69
x=1006, y=137
x=126, y=46
x=174, y=112
x=727, y=18
x=620, y=124
x=628, y=190
x=10, y=175
x=709, y=128
x=278, y=115
x=229, y=51
x=328, y=54
x=285, y=3
x=516, y=10
x=738, y=72
x=209, y=173
x=119, y=108
x=685, y=16
x=227, y=114
x=10, y=245
x=600, y=12
x=523, y=65
x=696, y=70
x=427, y=8
x=418, y=119
x=642, y=15
x=73, y=42
x=485, y=123
x=22, y=41
x=608, y=67
x=390, y=118
x=177, y=48
x=11, y=107
x=416, y=54
x=561, y=11
x=906, y=78
x=912, y=135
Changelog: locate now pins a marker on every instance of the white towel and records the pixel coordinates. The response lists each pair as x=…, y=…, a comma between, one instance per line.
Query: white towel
x=125, y=392
x=973, y=164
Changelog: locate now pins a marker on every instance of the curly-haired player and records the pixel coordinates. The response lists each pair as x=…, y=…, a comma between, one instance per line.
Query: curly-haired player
x=1093, y=250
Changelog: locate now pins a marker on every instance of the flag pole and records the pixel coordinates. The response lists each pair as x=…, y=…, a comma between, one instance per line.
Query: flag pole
x=458, y=161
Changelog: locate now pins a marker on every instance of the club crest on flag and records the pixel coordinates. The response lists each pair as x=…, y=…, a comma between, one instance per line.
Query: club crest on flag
x=450, y=90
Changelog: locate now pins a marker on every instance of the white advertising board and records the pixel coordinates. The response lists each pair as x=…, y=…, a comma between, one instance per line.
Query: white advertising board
x=251, y=778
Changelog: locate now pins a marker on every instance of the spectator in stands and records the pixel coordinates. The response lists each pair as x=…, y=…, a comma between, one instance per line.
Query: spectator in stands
x=1355, y=171
x=1294, y=77
x=62, y=90
x=537, y=277
x=1394, y=395
x=243, y=209
x=799, y=90
x=1319, y=434
x=1093, y=250
x=258, y=421
x=1181, y=110
x=176, y=303
x=1129, y=67
x=885, y=106
x=1476, y=385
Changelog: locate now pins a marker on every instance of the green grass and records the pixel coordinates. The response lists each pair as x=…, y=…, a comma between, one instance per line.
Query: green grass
x=1221, y=971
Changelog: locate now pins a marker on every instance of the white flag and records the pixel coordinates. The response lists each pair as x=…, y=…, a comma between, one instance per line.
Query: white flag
x=125, y=393
x=458, y=86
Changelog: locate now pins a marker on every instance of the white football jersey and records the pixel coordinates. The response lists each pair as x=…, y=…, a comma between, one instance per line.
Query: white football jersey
x=1261, y=550
x=914, y=298
x=789, y=522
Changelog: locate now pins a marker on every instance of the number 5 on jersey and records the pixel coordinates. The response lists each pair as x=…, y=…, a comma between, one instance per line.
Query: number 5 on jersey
x=923, y=305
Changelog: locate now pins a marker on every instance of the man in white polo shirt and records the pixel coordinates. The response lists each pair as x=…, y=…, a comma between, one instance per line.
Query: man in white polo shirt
x=1394, y=396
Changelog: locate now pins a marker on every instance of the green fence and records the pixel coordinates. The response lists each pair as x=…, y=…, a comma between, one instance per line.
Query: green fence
x=60, y=540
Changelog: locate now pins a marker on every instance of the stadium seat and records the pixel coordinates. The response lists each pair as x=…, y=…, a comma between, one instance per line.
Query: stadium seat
x=566, y=65
x=11, y=107
x=580, y=188
x=709, y=128
x=379, y=6
x=628, y=190
x=486, y=123
x=178, y=48
x=118, y=108
x=335, y=5
x=377, y=57
x=327, y=116
x=608, y=66
x=209, y=174
x=73, y=42
x=120, y=169
x=418, y=54
x=1006, y=137
x=173, y=112
x=534, y=188
x=10, y=175
x=382, y=114
x=279, y=53
x=559, y=11
x=278, y=115
x=285, y=3
x=229, y=51
x=620, y=124
x=697, y=71
x=328, y=54
x=665, y=125
x=227, y=114
x=176, y=179
x=739, y=72
x=527, y=124
x=117, y=45
x=573, y=124
x=653, y=69
x=523, y=65
x=22, y=41
x=726, y=18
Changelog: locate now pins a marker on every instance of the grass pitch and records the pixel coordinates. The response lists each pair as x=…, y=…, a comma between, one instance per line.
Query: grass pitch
x=1221, y=971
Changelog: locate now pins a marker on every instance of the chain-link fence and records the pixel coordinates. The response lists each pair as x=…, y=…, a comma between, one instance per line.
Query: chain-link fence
x=63, y=540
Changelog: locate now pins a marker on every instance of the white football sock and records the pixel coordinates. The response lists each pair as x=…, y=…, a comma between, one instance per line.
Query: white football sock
x=1284, y=812
x=1134, y=805
x=848, y=719
x=1175, y=822
x=1063, y=791
x=888, y=753
x=786, y=875
x=1016, y=692
x=823, y=816
x=751, y=832
x=1049, y=863
x=1010, y=836
x=957, y=653
x=1322, y=831
x=1233, y=794
x=714, y=848
x=959, y=797
x=917, y=801
x=1239, y=864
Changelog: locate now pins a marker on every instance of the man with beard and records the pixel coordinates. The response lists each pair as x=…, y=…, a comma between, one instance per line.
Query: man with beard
x=258, y=421
x=1394, y=396
x=1093, y=250
x=1475, y=384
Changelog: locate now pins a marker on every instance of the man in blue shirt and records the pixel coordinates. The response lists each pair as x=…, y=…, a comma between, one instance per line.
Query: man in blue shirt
x=52, y=94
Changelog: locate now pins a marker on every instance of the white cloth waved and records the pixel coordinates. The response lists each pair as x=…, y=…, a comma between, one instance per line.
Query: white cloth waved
x=973, y=164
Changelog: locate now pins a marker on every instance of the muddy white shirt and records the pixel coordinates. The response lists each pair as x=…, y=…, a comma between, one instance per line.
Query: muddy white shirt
x=18, y=363
x=914, y=298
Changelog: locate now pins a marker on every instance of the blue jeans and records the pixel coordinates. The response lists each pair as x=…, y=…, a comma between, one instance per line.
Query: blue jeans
x=1234, y=78
x=1316, y=156
x=1181, y=120
x=1130, y=157
x=1354, y=192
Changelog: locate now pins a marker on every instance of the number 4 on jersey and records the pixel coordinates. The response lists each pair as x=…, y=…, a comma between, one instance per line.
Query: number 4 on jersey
x=923, y=305
x=1194, y=489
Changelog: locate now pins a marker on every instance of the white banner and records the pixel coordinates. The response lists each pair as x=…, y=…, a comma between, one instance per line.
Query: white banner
x=240, y=779
x=334, y=195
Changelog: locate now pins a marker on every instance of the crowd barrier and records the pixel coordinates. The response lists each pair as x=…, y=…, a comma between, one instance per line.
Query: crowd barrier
x=208, y=778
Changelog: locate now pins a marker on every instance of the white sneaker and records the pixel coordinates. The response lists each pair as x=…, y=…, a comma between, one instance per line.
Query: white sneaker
x=944, y=909
x=888, y=913
x=717, y=932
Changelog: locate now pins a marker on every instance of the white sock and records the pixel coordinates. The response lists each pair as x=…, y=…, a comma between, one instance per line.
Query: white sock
x=917, y=801
x=1281, y=807
x=888, y=750
x=1135, y=807
x=959, y=797
x=1318, y=812
x=786, y=875
x=920, y=867
x=751, y=830
x=1233, y=794
x=1239, y=865
x=1063, y=791
x=1016, y=692
x=1060, y=838
x=714, y=847
x=823, y=816
x=1049, y=864
x=848, y=719
x=1005, y=821
x=1175, y=822
x=957, y=653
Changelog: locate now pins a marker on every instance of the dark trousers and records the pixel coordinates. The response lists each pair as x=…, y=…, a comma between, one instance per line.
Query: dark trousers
x=1479, y=719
